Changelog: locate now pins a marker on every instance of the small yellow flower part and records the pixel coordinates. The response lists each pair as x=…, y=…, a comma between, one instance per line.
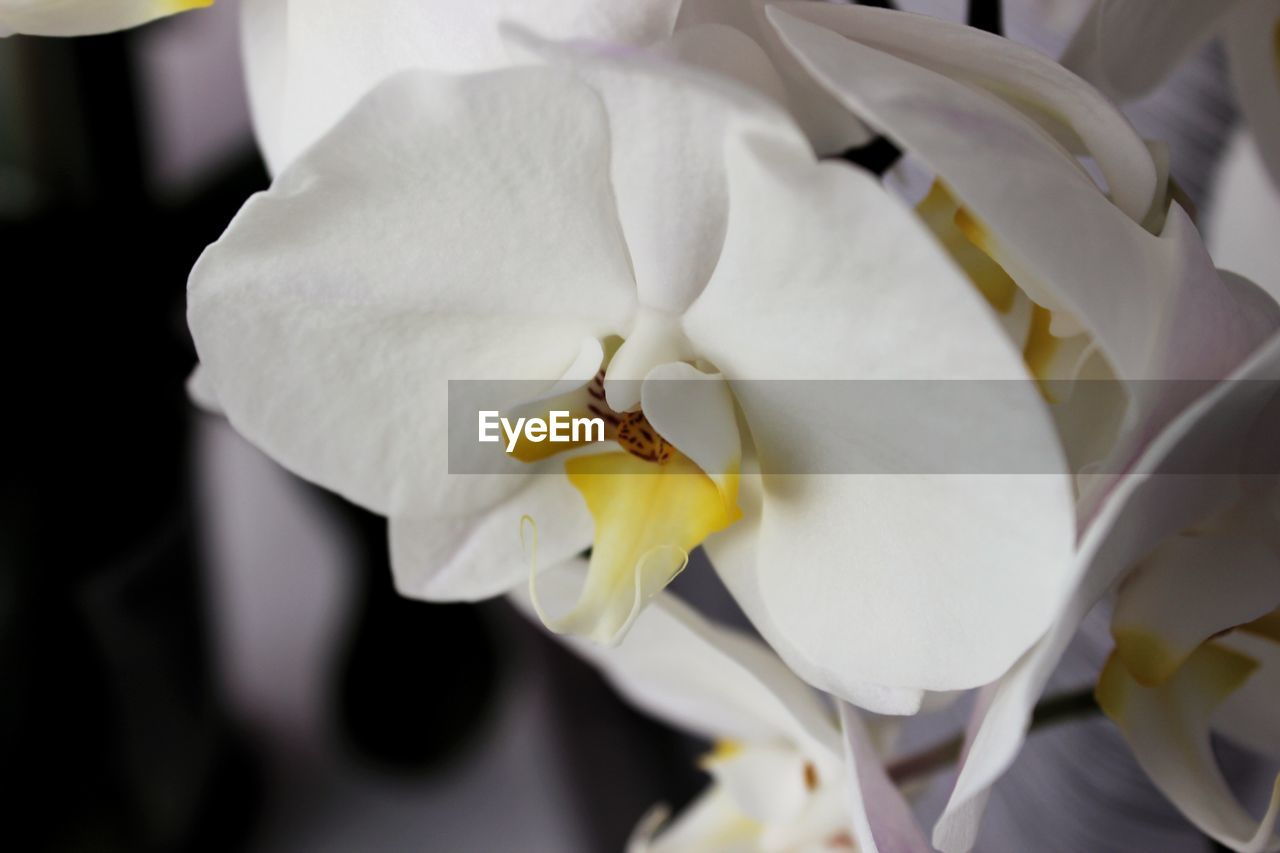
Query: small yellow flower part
x=1148, y=658
x=652, y=505
x=1168, y=728
x=722, y=750
x=963, y=238
x=86, y=17
x=173, y=7
x=974, y=249
x=648, y=516
x=1207, y=677
x=1041, y=349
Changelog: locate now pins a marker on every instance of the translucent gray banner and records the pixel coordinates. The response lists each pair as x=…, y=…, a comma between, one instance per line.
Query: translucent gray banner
x=816, y=427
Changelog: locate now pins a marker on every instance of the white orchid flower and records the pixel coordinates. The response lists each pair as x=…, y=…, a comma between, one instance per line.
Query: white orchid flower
x=308, y=61
x=1111, y=286
x=994, y=220
x=1127, y=47
x=85, y=17
x=1196, y=625
x=652, y=222
x=1197, y=631
x=1157, y=500
x=1001, y=126
x=786, y=774
x=1168, y=726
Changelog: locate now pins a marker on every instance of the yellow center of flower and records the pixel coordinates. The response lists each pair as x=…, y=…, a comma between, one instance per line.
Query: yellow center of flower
x=651, y=504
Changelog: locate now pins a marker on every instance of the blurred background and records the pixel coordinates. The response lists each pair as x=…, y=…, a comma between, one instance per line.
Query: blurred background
x=200, y=652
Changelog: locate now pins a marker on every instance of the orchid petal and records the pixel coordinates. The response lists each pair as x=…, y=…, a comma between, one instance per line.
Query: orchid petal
x=1031, y=82
x=829, y=127
x=321, y=56
x=840, y=558
x=1127, y=47
x=648, y=519
x=671, y=186
x=713, y=821
x=330, y=315
x=767, y=781
x=1146, y=508
x=200, y=391
x=882, y=820
x=264, y=40
x=1167, y=728
x=694, y=411
x=474, y=556
x=1192, y=587
x=1169, y=282
x=85, y=17
x=709, y=679
x=728, y=51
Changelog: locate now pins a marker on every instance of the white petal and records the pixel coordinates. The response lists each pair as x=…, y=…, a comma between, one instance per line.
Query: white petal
x=1167, y=728
x=882, y=820
x=766, y=781
x=1061, y=240
x=822, y=824
x=1143, y=510
x=713, y=821
x=1253, y=47
x=669, y=125
x=200, y=390
x=873, y=571
x=1244, y=216
x=711, y=680
x=320, y=56
x=1127, y=47
x=829, y=127
x=735, y=557
x=264, y=52
x=478, y=555
x=85, y=17
x=694, y=411
x=655, y=338
x=1027, y=79
x=1190, y=588
x=728, y=51
x=413, y=246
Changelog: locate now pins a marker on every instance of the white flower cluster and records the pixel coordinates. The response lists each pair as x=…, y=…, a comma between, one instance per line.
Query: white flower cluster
x=616, y=201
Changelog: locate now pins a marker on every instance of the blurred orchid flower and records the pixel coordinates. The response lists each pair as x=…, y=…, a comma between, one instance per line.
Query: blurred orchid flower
x=1111, y=285
x=1154, y=308
x=1128, y=47
x=1168, y=725
x=85, y=17
x=654, y=223
x=1196, y=625
x=1197, y=631
x=1157, y=500
x=786, y=773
